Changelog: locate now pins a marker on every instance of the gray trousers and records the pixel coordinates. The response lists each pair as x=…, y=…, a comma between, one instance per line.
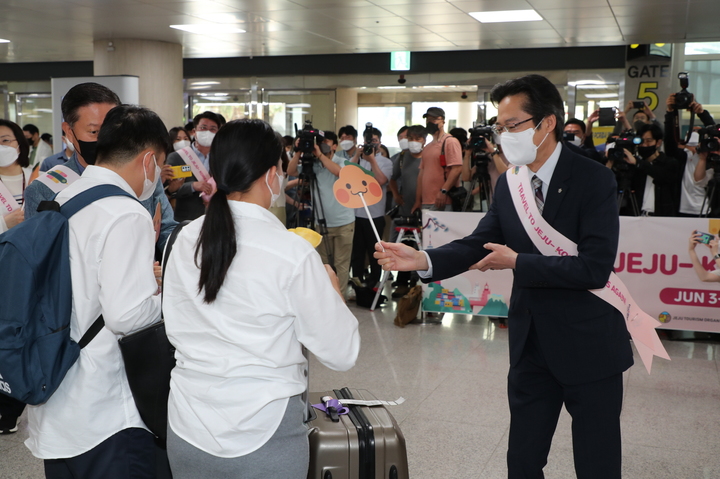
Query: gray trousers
x=285, y=455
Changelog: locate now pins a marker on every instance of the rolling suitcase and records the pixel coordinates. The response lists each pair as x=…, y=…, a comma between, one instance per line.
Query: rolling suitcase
x=366, y=443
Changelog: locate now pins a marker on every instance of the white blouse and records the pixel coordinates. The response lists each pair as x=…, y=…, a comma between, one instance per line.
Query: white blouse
x=239, y=359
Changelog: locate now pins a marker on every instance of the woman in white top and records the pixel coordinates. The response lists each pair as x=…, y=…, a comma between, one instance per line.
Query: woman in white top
x=242, y=295
x=15, y=172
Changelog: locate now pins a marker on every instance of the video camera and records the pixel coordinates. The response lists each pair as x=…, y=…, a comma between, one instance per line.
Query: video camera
x=478, y=135
x=414, y=220
x=683, y=98
x=308, y=137
x=709, y=139
x=626, y=141
x=368, y=146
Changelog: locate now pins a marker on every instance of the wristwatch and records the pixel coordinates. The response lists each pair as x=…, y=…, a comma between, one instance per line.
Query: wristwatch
x=717, y=256
x=443, y=191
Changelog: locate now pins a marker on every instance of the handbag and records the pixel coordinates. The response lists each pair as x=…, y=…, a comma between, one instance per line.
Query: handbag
x=149, y=359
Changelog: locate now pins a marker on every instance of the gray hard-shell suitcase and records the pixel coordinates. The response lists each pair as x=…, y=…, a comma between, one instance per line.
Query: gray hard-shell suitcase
x=365, y=444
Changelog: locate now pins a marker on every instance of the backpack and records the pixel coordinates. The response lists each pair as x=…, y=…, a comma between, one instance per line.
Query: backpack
x=36, y=300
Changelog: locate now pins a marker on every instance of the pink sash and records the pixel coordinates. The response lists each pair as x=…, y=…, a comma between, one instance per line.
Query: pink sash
x=7, y=201
x=551, y=243
x=201, y=173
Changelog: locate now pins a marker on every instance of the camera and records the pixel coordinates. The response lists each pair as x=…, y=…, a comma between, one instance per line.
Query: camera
x=308, y=137
x=369, y=146
x=568, y=136
x=709, y=139
x=413, y=220
x=626, y=141
x=478, y=135
x=640, y=104
x=683, y=98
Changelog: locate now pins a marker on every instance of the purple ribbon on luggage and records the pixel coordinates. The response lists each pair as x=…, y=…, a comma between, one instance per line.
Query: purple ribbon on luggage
x=332, y=403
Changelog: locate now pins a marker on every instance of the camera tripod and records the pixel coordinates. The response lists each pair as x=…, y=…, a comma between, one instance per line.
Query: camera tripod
x=307, y=182
x=707, y=204
x=624, y=190
x=481, y=176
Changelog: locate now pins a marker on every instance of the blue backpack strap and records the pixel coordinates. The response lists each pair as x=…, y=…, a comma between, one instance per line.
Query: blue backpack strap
x=80, y=201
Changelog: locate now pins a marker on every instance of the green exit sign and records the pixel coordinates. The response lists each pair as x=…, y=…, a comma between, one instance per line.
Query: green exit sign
x=400, y=61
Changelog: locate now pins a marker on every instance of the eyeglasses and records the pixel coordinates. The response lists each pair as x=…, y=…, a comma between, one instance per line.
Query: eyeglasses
x=213, y=129
x=507, y=128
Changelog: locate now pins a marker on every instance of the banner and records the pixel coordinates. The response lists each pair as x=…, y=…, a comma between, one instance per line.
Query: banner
x=652, y=261
x=7, y=201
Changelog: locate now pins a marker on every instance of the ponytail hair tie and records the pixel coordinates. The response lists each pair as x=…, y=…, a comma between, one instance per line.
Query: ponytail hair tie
x=223, y=189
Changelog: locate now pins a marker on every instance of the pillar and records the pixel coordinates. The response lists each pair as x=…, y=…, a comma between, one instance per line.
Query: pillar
x=159, y=65
x=347, y=107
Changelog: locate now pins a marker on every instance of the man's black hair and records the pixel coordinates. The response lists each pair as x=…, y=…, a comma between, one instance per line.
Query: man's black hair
x=402, y=129
x=542, y=99
x=654, y=129
x=377, y=133
x=575, y=121
x=348, y=130
x=85, y=94
x=417, y=131
x=330, y=135
x=127, y=131
x=214, y=117
x=30, y=128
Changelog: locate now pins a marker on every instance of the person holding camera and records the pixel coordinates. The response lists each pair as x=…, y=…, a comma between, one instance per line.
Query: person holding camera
x=656, y=176
x=574, y=134
x=404, y=185
x=643, y=116
x=441, y=165
x=337, y=244
x=370, y=158
x=481, y=153
x=704, y=275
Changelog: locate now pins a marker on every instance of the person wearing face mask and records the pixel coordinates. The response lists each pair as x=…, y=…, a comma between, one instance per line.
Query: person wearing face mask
x=336, y=247
x=239, y=285
x=59, y=158
x=90, y=427
x=441, y=165
x=696, y=175
x=657, y=176
x=581, y=143
x=15, y=170
x=403, y=144
x=568, y=347
x=188, y=203
x=84, y=107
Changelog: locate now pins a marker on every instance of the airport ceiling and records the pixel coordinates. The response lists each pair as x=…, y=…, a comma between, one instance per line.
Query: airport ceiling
x=64, y=30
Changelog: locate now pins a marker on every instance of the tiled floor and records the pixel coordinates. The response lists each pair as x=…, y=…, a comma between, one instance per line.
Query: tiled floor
x=455, y=419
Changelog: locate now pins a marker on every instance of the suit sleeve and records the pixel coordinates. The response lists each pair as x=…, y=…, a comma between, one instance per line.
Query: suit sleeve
x=456, y=257
x=598, y=228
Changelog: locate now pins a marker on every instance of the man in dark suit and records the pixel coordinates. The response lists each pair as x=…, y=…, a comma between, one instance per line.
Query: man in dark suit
x=567, y=346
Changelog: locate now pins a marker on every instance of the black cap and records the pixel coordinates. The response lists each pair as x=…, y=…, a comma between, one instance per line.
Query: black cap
x=435, y=112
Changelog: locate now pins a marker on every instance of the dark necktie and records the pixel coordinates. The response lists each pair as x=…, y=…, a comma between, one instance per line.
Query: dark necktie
x=539, y=199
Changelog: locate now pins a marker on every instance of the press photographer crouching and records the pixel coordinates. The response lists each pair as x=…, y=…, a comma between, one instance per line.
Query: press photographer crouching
x=653, y=177
x=318, y=169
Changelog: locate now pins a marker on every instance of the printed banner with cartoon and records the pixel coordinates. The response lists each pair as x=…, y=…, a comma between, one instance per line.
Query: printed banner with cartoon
x=652, y=261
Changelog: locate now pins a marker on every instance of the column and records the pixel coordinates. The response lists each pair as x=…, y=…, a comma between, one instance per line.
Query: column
x=347, y=106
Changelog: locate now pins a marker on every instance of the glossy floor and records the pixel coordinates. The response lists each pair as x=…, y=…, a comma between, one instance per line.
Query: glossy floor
x=456, y=418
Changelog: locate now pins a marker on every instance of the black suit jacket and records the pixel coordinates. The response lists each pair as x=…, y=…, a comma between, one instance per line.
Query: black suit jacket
x=582, y=337
x=188, y=204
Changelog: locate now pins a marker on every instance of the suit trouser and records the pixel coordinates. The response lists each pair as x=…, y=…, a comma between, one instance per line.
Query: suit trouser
x=340, y=239
x=128, y=454
x=536, y=398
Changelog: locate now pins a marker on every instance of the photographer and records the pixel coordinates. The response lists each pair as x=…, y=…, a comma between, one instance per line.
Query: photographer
x=643, y=116
x=481, y=153
x=370, y=158
x=406, y=170
x=692, y=195
x=574, y=134
x=340, y=221
x=656, y=176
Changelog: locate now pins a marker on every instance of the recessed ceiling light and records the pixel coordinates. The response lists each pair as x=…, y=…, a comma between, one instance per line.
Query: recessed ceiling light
x=198, y=83
x=391, y=88
x=208, y=28
x=601, y=95
x=298, y=105
x=506, y=16
x=2, y=40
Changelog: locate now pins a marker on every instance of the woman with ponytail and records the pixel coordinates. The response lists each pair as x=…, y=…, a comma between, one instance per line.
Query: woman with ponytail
x=242, y=296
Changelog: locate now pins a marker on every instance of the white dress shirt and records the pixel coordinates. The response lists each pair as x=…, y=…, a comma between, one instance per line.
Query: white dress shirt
x=239, y=359
x=545, y=174
x=112, y=245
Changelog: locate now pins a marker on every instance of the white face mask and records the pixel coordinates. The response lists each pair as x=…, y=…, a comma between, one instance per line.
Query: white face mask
x=275, y=196
x=347, y=144
x=179, y=145
x=8, y=155
x=204, y=137
x=519, y=148
x=577, y=141
x=415, y=147
x=403, y=144
x=149, y=186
